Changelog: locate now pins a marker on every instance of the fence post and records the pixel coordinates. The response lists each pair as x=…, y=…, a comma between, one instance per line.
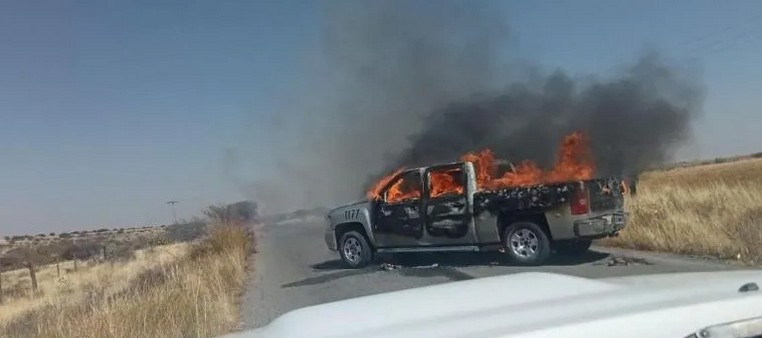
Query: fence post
x=1, y=284
x=33, y=275
x=58, y=269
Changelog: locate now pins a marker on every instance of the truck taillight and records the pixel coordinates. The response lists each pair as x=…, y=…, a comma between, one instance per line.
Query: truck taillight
x=579, y=202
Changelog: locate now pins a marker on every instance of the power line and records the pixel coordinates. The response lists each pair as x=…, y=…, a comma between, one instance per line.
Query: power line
x=174, y=215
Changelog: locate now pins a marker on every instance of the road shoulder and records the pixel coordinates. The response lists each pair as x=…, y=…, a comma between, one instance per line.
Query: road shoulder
x=709, y=263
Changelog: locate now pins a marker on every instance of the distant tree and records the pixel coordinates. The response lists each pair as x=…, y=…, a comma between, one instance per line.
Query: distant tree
x=47, y=253
x=120, y=231
x=7, y=238
x=83, y=250
x=64, y=235
x=52, y=234
x=75, y=232
x=25, y=254
x=239, y=212
x=41, y=235
x=186, y=232
x=17, y=238
x=24, y=257
x=121, y=251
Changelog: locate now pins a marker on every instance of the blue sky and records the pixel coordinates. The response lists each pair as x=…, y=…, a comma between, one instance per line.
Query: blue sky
x=108, y=109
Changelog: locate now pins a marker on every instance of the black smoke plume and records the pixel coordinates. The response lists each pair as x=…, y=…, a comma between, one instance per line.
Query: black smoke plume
x=633, y=121
x=398, y=83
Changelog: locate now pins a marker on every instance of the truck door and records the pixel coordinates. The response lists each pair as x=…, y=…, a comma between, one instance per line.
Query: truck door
x=448, y=216
x=399, y=216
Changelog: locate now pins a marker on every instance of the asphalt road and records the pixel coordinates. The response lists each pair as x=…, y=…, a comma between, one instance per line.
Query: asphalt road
x=293, y=269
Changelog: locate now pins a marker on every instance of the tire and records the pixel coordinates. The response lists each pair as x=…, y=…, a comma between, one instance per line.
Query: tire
x=576, y=247
x=355, y=250
x=526, y=243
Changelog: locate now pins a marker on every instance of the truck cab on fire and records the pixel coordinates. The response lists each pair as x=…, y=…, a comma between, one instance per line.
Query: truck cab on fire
x=441, y=209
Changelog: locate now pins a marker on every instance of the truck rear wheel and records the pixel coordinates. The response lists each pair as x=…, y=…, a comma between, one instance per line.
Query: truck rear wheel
x=355, y=250
x=526, y=243
x=575, y=247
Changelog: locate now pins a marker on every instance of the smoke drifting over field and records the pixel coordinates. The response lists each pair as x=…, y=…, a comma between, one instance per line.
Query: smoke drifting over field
x=414, y=82
x=632, y=122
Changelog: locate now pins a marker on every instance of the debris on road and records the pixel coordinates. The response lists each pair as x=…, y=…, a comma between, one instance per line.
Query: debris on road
x=390, y=267
x=623, y=261
x=435, y=265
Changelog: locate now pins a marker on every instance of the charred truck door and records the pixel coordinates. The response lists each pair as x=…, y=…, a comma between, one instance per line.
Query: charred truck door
x=399, y=216
x=448, y=219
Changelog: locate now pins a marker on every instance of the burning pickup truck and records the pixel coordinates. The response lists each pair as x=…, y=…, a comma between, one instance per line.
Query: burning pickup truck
x=479, y=204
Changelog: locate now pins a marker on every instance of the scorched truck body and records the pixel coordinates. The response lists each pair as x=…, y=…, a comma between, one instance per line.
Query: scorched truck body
x=524, y=222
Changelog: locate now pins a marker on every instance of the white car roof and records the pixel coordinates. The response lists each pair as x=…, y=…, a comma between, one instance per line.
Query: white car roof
x=536, y=305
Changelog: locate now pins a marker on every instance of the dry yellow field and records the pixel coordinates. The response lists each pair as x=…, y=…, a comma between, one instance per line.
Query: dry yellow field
x=179, y=290
x=101, y=278
x=713, y=209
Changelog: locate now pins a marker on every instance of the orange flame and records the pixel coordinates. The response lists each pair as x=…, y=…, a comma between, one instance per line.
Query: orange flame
x=573, y=163
x=399, y=192
x=446, y=182
x=375, y=191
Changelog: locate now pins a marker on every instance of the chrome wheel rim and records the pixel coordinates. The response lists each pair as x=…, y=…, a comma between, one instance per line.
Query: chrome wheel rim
x=524, y=243
x=352, y=250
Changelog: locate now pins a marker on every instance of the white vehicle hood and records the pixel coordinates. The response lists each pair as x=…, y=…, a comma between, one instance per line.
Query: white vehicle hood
x=534, y=305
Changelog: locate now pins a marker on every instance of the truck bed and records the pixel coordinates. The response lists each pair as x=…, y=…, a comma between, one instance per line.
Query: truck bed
x=605, y=194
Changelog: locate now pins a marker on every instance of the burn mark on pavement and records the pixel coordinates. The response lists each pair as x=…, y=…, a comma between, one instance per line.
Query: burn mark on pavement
x=420, y=271
x=428, y=271
x=329, y=277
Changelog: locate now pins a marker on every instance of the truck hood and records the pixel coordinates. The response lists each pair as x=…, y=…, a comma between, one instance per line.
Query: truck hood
x=535, y=305
x=354, y=204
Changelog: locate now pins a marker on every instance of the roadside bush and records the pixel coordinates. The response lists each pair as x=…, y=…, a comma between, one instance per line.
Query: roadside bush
x=186, y=232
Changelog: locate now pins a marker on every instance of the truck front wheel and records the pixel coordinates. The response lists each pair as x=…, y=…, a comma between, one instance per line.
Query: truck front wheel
x=355, y=250
x=526, y=243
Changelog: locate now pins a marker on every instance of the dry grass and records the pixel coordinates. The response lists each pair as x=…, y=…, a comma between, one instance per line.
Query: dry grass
x=195, y=295
x=713, y=209
x=105, y=278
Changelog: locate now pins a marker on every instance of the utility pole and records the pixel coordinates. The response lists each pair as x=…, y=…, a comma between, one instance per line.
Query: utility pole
x=174, y=215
